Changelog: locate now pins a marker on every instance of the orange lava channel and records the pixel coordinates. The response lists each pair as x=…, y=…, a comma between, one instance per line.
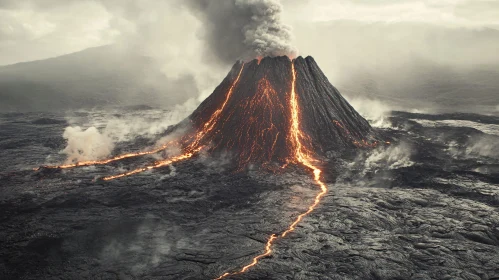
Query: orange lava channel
x=106, y=161
x=158, y=164
x=268, y=251
x=302, y=155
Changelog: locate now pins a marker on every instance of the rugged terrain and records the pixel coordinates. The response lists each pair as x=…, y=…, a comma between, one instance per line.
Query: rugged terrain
x=424, y=207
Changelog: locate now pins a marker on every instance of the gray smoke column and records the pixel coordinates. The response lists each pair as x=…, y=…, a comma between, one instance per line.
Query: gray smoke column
x=244, y=29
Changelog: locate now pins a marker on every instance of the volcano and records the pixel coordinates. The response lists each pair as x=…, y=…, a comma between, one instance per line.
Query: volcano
x=249, y=113
x=270, y=113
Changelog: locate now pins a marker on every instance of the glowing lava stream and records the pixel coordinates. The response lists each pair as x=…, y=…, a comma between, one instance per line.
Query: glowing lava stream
x=194, y=147
x=158, y=164
x=301, y=155
x=106, y=161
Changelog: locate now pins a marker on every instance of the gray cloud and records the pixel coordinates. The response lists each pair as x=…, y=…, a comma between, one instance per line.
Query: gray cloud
x=243, y=29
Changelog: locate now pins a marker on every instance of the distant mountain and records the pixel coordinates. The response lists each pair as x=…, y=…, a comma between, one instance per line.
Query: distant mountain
x=98, y=76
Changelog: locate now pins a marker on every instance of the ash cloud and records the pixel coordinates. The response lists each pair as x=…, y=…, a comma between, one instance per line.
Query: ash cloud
x=243, y=29
x=412, y=55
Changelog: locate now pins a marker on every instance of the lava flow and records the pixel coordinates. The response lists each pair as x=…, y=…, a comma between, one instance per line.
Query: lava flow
x=106, y=161
x=192, y=148
x=302, y=155
x=158, y=164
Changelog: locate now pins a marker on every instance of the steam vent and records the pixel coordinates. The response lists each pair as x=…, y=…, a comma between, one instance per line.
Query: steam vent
x=249, y=113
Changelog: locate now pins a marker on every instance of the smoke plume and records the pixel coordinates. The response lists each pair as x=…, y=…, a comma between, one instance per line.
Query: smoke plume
x=243, y=29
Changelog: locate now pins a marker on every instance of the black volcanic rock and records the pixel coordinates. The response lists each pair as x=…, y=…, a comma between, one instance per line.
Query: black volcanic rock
x=255, y=122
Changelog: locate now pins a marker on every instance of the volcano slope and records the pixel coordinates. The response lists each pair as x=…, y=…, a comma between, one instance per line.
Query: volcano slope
x=256, y=118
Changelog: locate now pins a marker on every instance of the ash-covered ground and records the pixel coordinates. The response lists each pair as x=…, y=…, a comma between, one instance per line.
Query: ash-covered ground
x=423, y=207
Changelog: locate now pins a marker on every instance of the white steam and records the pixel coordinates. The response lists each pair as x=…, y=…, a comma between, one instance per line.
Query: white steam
x=393, y=157
x=143, y=249
x=480, y=146
x=375, y=111
x=89, y=144
x=108, y=128
x=147, y=123
x=491, y=129
x=389, y=157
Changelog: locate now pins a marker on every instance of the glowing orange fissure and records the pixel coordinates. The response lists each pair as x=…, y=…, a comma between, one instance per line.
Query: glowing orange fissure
x=301, y=155
x=106, y=161
x=158, y=164
x=210, y=124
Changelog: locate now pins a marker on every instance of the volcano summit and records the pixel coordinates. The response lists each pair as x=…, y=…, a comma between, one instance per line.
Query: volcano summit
x=250, y=113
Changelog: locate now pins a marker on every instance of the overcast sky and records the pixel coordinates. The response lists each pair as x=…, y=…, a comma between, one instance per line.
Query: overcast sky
x=31, y=30
x=469, y=13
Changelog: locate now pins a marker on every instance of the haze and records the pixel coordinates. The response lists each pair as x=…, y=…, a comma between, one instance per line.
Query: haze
x=411, y=54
